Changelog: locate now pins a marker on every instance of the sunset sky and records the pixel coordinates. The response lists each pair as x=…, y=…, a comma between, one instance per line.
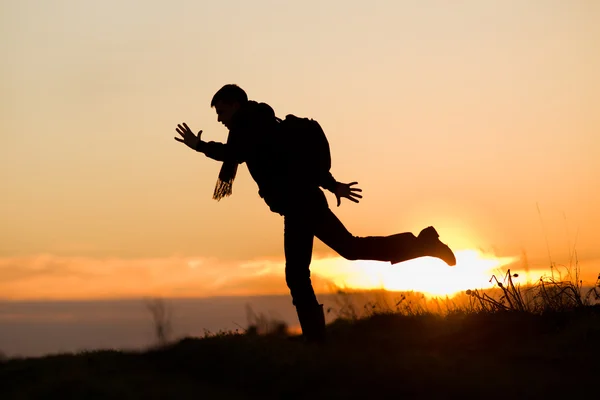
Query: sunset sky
x=480, y=117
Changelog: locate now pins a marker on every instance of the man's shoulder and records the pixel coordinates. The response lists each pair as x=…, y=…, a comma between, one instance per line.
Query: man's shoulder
x=257, y=109
x=253, y=114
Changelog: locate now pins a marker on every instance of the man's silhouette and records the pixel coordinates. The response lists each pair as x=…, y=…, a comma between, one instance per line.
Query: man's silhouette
x=255, y=138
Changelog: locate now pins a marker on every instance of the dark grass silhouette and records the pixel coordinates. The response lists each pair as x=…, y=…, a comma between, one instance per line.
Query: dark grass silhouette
x=478, y=354
x=549, y=346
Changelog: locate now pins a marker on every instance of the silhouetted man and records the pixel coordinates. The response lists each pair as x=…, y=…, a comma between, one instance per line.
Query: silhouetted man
x=255, y=138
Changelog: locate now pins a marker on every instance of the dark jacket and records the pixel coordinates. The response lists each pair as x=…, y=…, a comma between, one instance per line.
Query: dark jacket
x=259, y=144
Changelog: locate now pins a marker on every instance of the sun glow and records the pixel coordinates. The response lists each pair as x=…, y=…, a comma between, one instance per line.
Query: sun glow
x=428, y=275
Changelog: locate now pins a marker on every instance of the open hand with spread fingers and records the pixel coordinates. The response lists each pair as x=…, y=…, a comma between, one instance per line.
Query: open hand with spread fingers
x=347, y=191
x=189, y=138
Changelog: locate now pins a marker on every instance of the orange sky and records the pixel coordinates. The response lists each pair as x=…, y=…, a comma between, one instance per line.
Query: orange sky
x=465, y=116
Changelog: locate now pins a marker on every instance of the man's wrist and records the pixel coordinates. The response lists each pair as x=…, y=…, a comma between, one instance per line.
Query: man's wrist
x=333, y=186
x=200, y=145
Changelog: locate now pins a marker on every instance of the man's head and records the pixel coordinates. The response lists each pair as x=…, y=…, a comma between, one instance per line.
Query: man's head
x=227, y=101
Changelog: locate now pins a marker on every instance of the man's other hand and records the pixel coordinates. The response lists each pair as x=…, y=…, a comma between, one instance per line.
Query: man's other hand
x=346, y=190
x=189, y=138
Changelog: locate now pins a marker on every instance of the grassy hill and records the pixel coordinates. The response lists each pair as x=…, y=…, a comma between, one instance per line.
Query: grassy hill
x=485, y=354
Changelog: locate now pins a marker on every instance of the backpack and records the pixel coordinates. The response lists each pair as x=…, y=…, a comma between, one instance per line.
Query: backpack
x=306, y=148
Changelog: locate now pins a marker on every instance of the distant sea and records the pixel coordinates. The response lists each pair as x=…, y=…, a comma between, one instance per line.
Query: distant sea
x=36, y=328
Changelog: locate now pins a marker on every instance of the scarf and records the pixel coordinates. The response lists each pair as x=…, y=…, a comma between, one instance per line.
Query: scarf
x=223, y=188
x=224, y=185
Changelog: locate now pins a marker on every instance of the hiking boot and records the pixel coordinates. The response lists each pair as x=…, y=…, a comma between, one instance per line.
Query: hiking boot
x=312, y=322
x=429, y=239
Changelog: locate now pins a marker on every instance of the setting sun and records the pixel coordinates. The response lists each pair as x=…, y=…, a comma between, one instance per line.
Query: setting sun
x=428, y=275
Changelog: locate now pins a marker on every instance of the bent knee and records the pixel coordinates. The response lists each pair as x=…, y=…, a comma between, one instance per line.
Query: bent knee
x=351, y=248
x=349, y=253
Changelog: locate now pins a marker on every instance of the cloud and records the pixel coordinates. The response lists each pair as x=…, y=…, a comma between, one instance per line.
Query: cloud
x=56, y=277
x=17, y=269
x=48, y=276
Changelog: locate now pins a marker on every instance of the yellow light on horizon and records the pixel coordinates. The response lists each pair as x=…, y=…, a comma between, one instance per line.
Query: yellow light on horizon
x=428, y=275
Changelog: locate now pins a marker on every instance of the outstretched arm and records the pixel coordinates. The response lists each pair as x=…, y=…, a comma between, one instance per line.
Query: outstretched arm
x=346, y=190
x=340, y=189
x=215, y=150
x=327, y=181
x=187, y=136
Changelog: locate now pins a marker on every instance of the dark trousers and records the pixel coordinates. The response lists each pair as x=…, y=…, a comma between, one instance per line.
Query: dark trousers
x=314, y=218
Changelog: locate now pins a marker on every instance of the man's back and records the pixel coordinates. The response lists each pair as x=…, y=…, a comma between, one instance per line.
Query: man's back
x=279, y=159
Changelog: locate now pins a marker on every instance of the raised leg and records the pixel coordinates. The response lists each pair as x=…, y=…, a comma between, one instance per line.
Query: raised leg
x=334, y=234
x=394, y=248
